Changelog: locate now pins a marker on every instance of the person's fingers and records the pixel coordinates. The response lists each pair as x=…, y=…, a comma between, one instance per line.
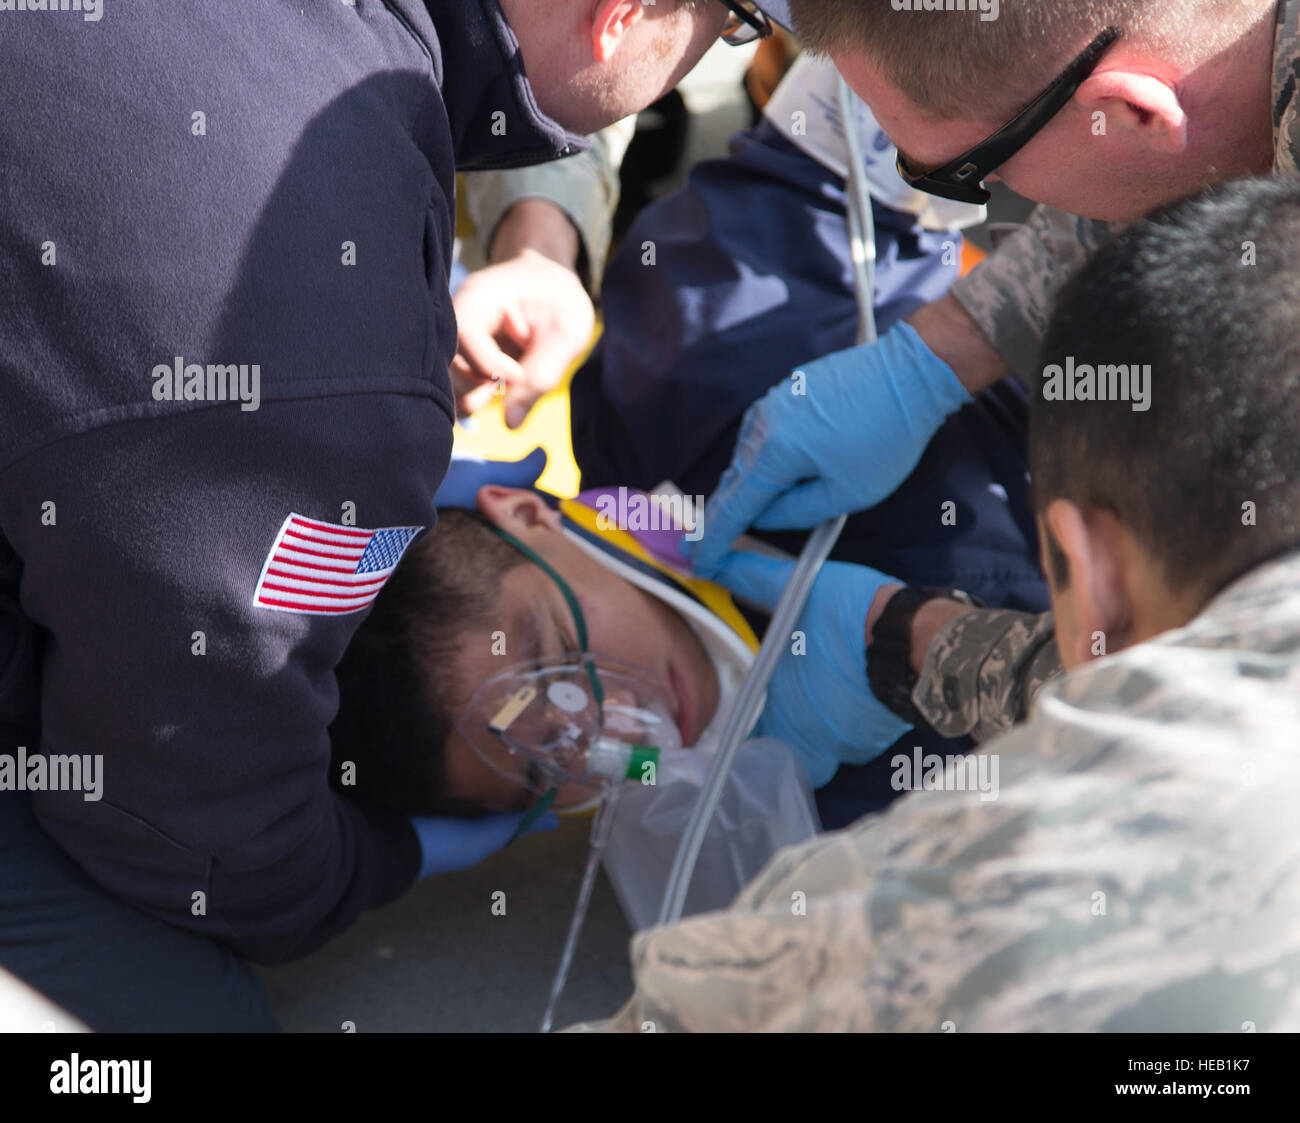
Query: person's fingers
x=548, y=822
x=479, y=398
x=739, y=499
x=493, y=832
x=740, y=495
x=462, y=382
x=768, y=462
x=755, y=578
x=521, y=473
x=502, y=372
x=515, y=326
x=481, y=354
x=801, y=508
x=519, y=404
x=545, y=362
x=548, y=357
x=465, y=476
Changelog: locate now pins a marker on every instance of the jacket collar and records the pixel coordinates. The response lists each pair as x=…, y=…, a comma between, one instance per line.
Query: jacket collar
x=495, y=119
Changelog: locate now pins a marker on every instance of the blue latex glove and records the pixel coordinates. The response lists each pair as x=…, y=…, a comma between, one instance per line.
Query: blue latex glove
x=819, y=702
x=448, y=845
x=844, y=444
x=466, y=474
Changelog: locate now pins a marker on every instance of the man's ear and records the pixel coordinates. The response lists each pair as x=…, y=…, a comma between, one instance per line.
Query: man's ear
x=1147, y=105
x=1097, y=591
x=610, y=22
x=515, y=511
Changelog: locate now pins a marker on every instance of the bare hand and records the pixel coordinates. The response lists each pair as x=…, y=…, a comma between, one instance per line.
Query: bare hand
x=523, y=324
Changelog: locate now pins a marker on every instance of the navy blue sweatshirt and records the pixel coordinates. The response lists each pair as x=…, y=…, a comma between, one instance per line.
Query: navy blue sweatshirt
x=261, y=183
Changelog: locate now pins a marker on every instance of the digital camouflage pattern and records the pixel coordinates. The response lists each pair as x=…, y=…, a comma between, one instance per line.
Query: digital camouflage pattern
x=1011, y=293
x=1139, y=870
x=983, y=670
x=1286, y=74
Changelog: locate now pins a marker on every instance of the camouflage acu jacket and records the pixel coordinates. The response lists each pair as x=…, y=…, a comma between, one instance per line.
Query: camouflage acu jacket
x=983, y=670
x=1139, y=868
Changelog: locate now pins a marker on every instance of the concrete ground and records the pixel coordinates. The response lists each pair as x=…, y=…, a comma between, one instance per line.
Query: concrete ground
x=439, y=960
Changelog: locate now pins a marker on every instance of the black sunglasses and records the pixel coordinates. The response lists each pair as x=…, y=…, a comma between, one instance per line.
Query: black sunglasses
x=963, y=179
x=746, y=25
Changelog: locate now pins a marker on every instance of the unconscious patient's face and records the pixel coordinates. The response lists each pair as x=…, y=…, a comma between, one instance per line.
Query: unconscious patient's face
x=529, y=618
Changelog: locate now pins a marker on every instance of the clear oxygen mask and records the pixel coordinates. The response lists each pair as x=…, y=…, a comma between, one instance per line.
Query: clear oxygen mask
x=572, y=731
x=571, y=726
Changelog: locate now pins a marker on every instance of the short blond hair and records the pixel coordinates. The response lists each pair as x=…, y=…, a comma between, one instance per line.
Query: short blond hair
x=958, y=63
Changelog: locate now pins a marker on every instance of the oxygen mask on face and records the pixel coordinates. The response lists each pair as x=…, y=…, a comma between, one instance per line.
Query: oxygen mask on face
x=571, y=730
x=571, y=726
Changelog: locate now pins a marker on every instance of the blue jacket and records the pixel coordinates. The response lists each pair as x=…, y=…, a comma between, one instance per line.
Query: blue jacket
x=752, y=277
x=193, y=180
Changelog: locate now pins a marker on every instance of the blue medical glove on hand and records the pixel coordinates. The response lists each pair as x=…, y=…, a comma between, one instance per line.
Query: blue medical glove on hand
x=842, y=442
x=448, y=845
x=819, y=702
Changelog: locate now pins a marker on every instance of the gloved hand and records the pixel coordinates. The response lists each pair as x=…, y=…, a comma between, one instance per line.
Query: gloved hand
x=819, y=702
x=448, y=845
x=844, y=445
x=466, y=474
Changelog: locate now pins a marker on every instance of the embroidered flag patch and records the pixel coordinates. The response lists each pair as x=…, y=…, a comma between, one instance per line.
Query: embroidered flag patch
x=320, y=569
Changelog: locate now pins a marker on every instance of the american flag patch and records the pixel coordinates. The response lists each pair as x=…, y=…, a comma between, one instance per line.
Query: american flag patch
x=325, y=570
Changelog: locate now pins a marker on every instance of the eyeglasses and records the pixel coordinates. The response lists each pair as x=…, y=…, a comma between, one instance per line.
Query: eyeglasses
x=746, y=24
x=963, y=178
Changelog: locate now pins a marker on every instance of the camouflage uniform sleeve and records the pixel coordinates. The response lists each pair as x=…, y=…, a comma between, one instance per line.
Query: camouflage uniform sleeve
x=1286, y=84
x=585, y=187
x=1011, y=293
x=983, y=670
x=780, y=959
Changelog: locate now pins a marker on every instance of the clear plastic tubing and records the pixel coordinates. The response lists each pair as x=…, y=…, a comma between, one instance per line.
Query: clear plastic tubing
x=745, y=710
x=862, y=226
x=600, y=831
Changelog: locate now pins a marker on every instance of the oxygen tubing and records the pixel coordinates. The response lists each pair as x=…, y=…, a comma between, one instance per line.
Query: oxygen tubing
x=744, y=712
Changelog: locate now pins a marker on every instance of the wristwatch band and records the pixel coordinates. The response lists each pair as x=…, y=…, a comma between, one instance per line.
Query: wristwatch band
x=889, y=670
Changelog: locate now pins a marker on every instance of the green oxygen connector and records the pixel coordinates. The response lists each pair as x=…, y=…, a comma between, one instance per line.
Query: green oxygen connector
x=622, y=760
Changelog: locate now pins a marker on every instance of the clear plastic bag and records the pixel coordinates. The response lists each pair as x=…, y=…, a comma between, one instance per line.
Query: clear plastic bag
x=767, y=805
